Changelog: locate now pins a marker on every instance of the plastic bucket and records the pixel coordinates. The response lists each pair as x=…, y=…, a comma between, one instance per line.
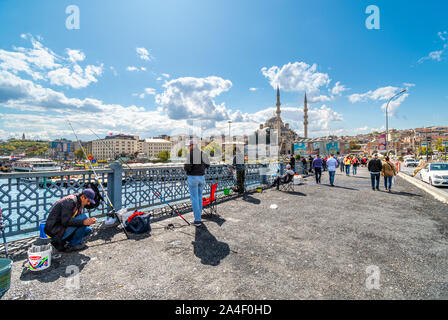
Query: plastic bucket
x=42, y=234
x=5, y=275
x=259, y=189
x=39, y=257
x=226, y=192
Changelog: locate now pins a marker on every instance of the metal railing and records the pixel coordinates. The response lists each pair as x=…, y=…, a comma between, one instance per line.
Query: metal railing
x=26, y=198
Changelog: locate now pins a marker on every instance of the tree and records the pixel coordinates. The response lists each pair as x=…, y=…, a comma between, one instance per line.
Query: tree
x=182, y=152
x=164, y=156
x=79, y=154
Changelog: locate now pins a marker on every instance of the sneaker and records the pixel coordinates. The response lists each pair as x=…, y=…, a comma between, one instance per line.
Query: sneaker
x=378, y=189
x=197, y=223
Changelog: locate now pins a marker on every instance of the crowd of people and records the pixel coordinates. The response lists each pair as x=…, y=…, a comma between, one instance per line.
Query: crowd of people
x=349, y=165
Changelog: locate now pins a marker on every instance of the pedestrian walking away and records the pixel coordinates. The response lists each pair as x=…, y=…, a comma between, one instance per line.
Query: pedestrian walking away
x=375, y=166
x=388, y=171
x=305, y=166
x=195, y=166
x=341, y=163
x=347, y=163
x=332, y=164
x=66, y=224
x=317, y=167
x=355, y=165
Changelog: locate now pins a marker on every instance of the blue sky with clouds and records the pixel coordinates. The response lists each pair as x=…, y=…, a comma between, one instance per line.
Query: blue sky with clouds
x=151, y=67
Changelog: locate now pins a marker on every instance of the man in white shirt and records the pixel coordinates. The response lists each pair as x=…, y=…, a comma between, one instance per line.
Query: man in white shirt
x=332, y=164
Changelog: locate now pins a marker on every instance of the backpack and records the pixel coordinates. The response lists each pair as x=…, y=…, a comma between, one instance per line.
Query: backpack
x=98, y=197
x=137, y=223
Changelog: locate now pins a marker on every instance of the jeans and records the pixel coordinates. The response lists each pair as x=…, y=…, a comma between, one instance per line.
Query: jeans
x=347, y=170
x=332, y=174
x=375, y=177
x=388, y=183
x=196, y=186
x=318, y=173
x=75, y=235
x=355, y=169
x=342, y=167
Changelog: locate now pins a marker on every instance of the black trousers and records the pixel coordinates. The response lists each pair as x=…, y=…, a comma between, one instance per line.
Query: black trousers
x=318, y=174
x=240, y=177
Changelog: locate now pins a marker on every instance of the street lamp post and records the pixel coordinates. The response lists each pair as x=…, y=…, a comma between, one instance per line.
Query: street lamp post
x=387, y=119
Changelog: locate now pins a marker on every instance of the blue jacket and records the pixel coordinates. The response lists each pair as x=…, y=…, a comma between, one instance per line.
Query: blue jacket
x=317, y=163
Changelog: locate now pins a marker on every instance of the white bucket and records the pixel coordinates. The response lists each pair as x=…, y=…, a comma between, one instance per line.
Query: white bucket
x=39, y=257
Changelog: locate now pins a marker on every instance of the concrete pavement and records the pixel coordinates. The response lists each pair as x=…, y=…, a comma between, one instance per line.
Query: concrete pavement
x=322, y=242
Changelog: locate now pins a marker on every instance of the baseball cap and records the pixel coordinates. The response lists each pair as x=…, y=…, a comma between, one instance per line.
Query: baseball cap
x=90, y=194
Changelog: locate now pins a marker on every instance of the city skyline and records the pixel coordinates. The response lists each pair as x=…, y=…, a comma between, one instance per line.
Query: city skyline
x=151, y=68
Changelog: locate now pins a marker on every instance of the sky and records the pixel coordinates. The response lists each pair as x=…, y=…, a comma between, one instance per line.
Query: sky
x=147, y=67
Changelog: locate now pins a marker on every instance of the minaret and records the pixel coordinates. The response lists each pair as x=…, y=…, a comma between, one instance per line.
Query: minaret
x=278, y=118
x=305, y=117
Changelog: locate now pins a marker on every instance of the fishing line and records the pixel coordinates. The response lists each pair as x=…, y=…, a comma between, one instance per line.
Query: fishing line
x=98, y=180
x=152, y=188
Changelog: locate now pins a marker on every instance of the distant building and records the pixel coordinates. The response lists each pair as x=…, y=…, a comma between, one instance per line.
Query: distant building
x=61, y=150
x=152, y=147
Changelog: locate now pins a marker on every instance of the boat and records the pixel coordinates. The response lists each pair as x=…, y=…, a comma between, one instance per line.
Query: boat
x=35, y=165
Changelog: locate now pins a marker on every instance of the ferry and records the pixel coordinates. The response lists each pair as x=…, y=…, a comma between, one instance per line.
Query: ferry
x=35, y=165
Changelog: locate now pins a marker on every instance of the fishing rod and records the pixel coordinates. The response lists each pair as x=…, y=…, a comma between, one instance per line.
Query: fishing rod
x=98, y=181
x=2, y=227
x=152, y=188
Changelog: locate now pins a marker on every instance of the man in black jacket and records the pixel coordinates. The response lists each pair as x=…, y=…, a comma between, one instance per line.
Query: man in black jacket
x=67, y=225
x=197, y=162
x=375, y=165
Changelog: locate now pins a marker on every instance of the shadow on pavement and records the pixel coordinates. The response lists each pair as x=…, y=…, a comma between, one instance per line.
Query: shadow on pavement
x=214, y=218
x=407, y=194
x=208, y=248
x=251, y=199
x=339, y=187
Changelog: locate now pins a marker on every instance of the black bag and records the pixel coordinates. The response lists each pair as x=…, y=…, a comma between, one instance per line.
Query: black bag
x=98, y=197
x=139, y=224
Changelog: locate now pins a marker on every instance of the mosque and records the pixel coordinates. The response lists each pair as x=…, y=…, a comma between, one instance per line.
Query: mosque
x=287, y=136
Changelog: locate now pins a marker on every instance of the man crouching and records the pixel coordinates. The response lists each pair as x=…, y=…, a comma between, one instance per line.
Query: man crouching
x=67, y=225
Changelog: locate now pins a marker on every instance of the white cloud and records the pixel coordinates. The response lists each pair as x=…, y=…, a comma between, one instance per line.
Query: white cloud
x=150, y=91
x=75, y=55
x=338, y=89
x=43, y=64
x=144, y=54
x=381, y=94
x=436, y=55
x=297, y=77
x=113, y=71
x=133, y=68
x=166, y=75
x=78, y=78
x=409, y=85
x=253, y=89
x=193, y=98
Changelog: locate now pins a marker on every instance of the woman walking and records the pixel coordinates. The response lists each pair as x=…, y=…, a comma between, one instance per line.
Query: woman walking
x=388, y=172
x=355, y=165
